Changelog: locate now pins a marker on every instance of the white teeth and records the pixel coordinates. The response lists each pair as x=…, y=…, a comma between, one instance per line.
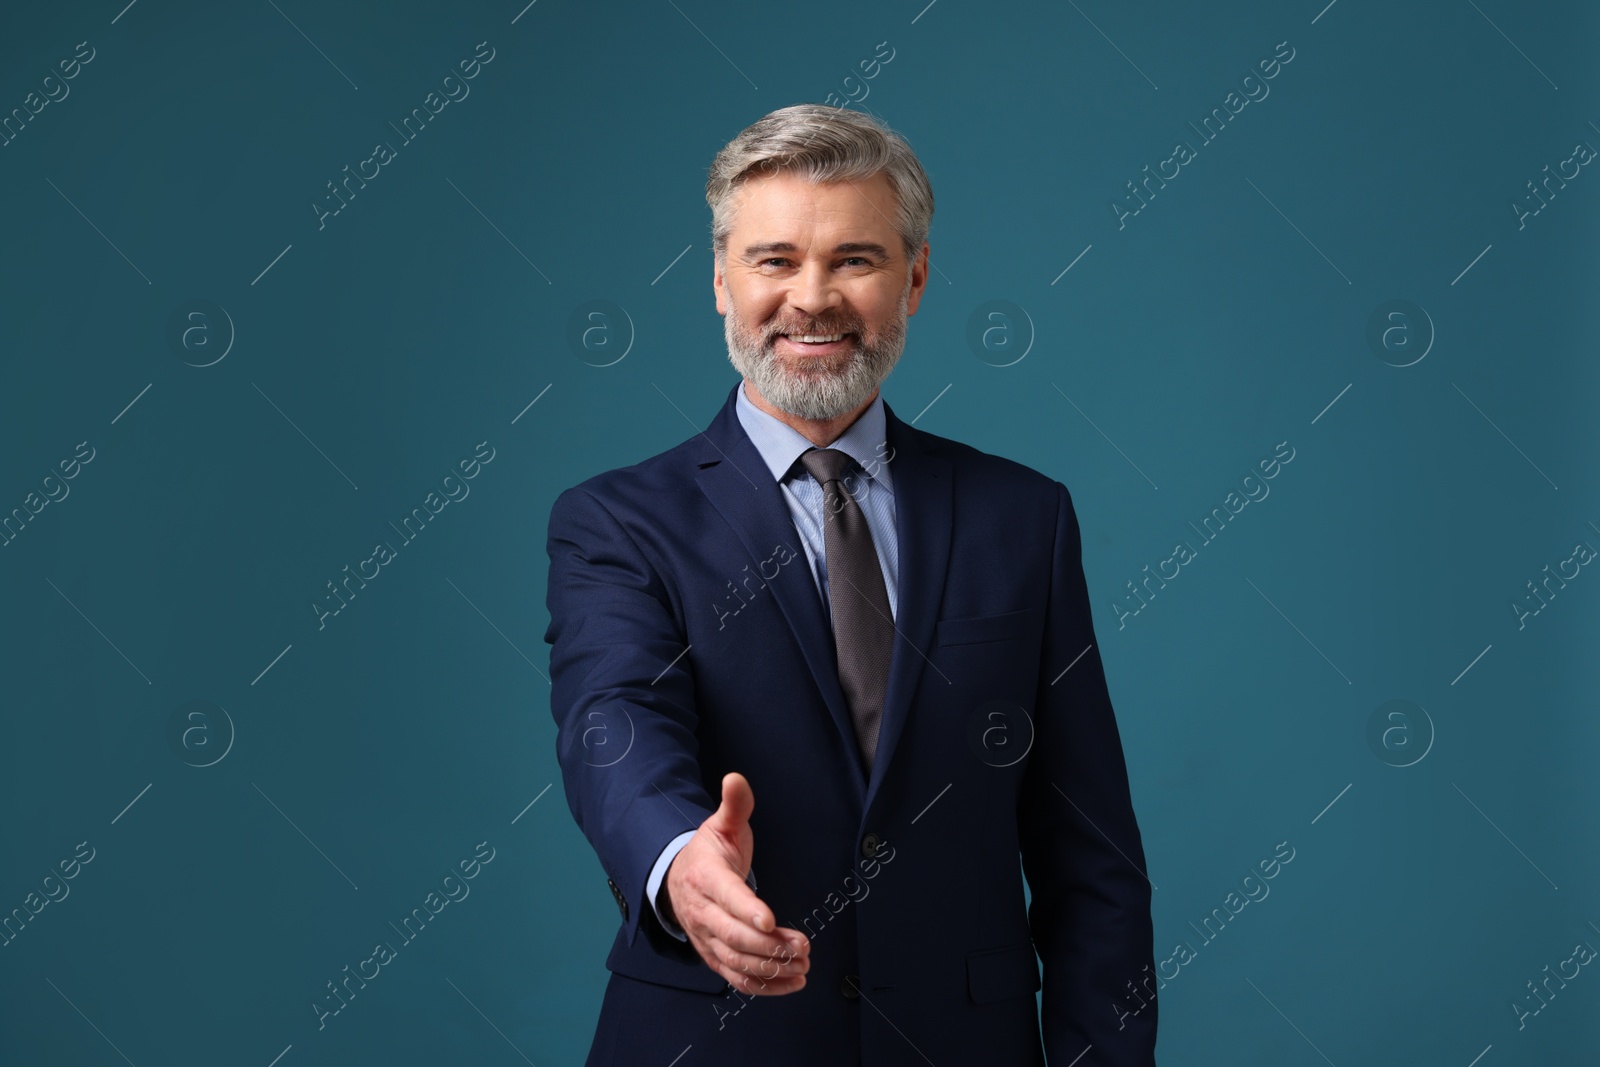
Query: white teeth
x=816, y=338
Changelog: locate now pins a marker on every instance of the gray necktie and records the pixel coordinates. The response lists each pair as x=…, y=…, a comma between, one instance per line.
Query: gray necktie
x=863, y=628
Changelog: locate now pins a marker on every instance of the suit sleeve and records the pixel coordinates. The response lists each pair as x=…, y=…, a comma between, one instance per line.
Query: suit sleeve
x=623, y=698
x=1081, y=849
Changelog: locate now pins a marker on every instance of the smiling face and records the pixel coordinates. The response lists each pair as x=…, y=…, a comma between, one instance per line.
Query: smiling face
x=816, y=289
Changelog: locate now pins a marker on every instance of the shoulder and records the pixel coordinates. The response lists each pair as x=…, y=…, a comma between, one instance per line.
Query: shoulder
x=984, y=473
x=655, y=484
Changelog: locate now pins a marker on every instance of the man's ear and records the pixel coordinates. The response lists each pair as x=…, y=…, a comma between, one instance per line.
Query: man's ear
x=919, y=279
x=720, y=289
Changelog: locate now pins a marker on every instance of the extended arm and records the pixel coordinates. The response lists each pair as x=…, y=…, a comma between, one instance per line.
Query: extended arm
x=624, y=701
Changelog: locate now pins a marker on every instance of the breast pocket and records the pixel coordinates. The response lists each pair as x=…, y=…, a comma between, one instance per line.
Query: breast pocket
x=996, y=974
x=979, y=629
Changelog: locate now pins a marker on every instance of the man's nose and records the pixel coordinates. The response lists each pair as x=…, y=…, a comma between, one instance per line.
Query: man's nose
x=814, y=291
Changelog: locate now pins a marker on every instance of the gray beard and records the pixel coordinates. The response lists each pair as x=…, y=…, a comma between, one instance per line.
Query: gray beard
x=832, y=388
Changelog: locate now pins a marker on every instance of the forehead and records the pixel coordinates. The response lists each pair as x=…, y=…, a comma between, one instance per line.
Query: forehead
x=785, y=202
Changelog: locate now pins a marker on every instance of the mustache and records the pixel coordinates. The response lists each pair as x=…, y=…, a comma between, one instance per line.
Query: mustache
x=816, y=330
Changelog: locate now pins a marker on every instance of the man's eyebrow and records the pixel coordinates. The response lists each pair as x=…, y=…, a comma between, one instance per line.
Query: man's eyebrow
x=756, y=251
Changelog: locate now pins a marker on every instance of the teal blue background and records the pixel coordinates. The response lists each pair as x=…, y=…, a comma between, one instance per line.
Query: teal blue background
x=369, y=756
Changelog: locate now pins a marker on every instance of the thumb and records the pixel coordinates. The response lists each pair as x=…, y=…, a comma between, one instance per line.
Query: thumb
x=737, y=803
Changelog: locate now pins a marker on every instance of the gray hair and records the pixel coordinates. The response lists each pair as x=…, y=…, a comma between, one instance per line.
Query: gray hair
x=824, y=144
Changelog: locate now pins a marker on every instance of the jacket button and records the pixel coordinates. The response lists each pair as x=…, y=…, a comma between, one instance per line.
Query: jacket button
x=851, y=986
x=870, y=845
x=622, y=901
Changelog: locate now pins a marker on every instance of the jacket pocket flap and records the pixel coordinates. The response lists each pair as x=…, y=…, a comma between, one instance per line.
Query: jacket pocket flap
x=977, y=628
x=995, y=974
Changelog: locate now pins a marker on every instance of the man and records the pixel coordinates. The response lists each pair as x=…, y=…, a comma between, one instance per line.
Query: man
x=882, y=634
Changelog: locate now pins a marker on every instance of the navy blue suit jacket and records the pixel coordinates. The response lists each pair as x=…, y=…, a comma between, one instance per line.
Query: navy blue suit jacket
x=689, y=640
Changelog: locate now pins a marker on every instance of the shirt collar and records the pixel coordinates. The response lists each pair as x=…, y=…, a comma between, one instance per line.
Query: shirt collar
x=781, y=444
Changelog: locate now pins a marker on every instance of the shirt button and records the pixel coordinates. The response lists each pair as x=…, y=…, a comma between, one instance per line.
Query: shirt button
x=851, y=986
x=870, y=845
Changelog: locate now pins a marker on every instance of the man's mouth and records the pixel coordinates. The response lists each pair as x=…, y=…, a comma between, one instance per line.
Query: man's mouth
x=817, y=344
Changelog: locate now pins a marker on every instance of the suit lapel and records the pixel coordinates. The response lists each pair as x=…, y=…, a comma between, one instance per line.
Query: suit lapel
x=736, y=480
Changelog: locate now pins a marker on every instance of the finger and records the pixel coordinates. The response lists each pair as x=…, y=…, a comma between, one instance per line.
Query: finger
x=737, y=803
x=713, y=922
x=727, y=890
x=783, y=963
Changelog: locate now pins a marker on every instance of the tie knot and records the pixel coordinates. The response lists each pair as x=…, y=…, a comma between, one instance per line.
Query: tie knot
x=825, y=464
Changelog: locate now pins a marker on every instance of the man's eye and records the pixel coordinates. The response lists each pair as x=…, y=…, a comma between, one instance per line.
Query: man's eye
x=764, y=262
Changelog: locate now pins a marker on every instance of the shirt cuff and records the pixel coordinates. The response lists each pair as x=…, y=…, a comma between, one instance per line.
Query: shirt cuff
x=658, y=874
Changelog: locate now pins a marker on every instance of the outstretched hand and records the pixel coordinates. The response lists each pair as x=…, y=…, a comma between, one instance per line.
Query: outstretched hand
x=731, y=928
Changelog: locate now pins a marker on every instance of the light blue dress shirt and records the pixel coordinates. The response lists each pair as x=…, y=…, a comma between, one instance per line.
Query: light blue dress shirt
x=780, y=446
